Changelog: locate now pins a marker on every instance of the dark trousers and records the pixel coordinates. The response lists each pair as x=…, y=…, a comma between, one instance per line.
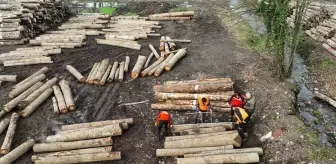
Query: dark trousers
x=203, y=116
x=242, y=130
x=159, y=127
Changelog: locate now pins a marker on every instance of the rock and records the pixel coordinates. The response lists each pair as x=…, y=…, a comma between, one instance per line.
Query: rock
x=291, y=143
x=277, y=133
x=267, y=136
x=302, y=137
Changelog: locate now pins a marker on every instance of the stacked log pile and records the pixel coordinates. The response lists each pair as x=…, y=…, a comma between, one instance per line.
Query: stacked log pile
x=205, y=143
x=183, y=95
x=319, y=23
x=81, y=143
x=21, y=20
x=185, y=15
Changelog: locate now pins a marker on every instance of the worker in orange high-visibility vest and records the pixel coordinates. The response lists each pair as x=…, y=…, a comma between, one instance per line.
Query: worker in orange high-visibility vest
x=242, y=119
x=163, y=119
x=203, y=106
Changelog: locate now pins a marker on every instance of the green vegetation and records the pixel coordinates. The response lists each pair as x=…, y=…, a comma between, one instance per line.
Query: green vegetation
x=178, y=9
x=130, y=14
x=107, y=10
x=327, y=63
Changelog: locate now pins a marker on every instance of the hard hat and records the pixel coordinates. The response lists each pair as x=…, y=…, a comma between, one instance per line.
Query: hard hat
x=248, y=95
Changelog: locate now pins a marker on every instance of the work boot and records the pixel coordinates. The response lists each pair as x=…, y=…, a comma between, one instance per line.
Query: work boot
x=245, y=136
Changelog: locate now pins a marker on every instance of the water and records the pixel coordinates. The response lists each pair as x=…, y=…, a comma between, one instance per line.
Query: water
x=318, y=115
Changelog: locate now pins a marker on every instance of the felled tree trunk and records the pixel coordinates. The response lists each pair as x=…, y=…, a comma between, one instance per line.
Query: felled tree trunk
x=91, y=72
x=75, y=73
x=193, y=88
x=138, y=66
x=174, y=14
x=203, y=130
x=60, y=146
x=151, y=67
x=325, y=98
x=113, y=72
x=161, y=67
x=162, y=46
x=81, y=158
x=25, y=102
x=149, y=59
x=17, y=152
x=178, y=128
x=116, y=75
x=69, y=101
x=109, y=130
x=121, y=71
x=91, y=80
x=7, y=143
x=96, y=124
x=55, y=105
x=13, y=103
x=328, y=41
x=168, y=18
x=225, y=96
x=36, y=103
x=180, y=54
x=171, y=44
x=201, y=81
x=101, y=71
x=182, y=151
x=183, y=137
x=154, y=51
x=25, y=86
x=9, y=78
x=258, y=150
x=223, y=158
x=10, y=35
x=127, y=62
x=28, y=61
x=119, y=44
x=221, y=104
x=329, y=49
x=4, y=124
x=60, y=99
x=107, y=73
x=39, y=72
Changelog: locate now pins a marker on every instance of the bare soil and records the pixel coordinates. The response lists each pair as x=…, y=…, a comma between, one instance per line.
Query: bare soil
x=213, y=53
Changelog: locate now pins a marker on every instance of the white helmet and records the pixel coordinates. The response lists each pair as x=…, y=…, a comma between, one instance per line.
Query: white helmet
x=248, y=95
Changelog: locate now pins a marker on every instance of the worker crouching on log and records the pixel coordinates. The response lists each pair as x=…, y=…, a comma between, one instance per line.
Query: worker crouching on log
x=242, y=120
x=163, y=119
x=203, y=106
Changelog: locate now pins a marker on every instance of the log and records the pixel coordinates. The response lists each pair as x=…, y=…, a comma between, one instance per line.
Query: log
x=19, y=89
x=258, y=150
x=91, y=72
x=138, y=66
x=25, y=102
x=181, y=152
x=178, y=128
x=17, y=152
x=127, y=62
x=218, y=140
x=183, y=137
x=61, y=146
x=203, y=130
x=200, y=81
x=148, y=60
x=154, y=51
x=180, y=54
x=96, y=124
x=80, y=158
x=106, y=131
x=193, y=88
x=121, y=71
x=329, y=49
x=168, y=18
x=124, y=126
x=222, y=158
x=119, y=44
x=2, y=112
x=91, y=81
x=171, y=44
x=194, y=102
x=39, y=72
x=28, y=61
x=151, y=67
x=4, y=124
x=117, y=74
x=73, y=152
x=176, y=40
x=113, y=72
x=162, y=44
x=225, y=96
x=55, y=105
x=7, y=143
x=191, y=107
x=161, y=67
x=325, y=98
x=111, y=37
x=36, y=103
x=69, y=101
x=166, y=49
x=174, y=14
x=331, y=43
x=107, y=73
x=13, y=103
x=60, y=99
x=9, y=78
x=14, y=35
x=75, y=73
x=101, y=71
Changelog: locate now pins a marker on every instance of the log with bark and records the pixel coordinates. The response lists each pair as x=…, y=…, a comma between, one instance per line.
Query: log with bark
x=36, y=103
x=183, y=137
x=69, y=100
x=162, y=44
x=158, y=70
x=80, y=158
x=138, y=66
x=222, y=104
x=331, y=43
x=113, y=72
x=127, y=62
x=124, y=126
x=17, y=152
x=329, y=49
x=121, y=71
x=13, y=103
x=151, y=67
x=168, y=18
x=180, y=54
x=191, y=107
x=203, y=131
x=171, y=44
x=222, y=158
x=183, y=151
x=101, y=71
x=19, y=89
x=39, y=72
x=325, y=98
x=193, y=88
x=200, y=81
x=258, y=150
x=75, y=73
x=109, y=130
x=9, y=78
x=7, y=143
x=61, y=146
x=119, y=44
x=225, y=96
x=174, y=14
x=106, y=74
x=96, y=124
x=60, y=99
x=4, y=124
x=179, y=128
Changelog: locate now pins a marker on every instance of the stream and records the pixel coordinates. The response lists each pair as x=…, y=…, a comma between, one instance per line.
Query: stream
x=318, y=115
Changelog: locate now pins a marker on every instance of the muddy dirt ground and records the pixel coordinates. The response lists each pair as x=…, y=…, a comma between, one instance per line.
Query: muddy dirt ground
x=213, y=53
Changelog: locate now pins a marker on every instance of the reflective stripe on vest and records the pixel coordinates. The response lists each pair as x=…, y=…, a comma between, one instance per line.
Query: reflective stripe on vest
x=240, y=115
x=203, y=106
x=163, y=116
x=236, y=102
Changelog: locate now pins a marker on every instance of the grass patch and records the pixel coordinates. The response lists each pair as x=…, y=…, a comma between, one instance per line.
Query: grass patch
x=107, y=10
x=130, y=14
x=178, y=9
x=327, y=63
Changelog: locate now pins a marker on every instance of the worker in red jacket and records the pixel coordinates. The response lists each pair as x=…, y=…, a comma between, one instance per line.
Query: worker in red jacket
x=237, y=100
x=163, y=119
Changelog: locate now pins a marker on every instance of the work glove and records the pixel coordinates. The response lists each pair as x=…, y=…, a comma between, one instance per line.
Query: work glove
x=170, y=126
x=156, y=124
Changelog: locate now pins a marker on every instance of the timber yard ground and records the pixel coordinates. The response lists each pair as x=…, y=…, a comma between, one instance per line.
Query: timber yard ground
x=216, y=51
